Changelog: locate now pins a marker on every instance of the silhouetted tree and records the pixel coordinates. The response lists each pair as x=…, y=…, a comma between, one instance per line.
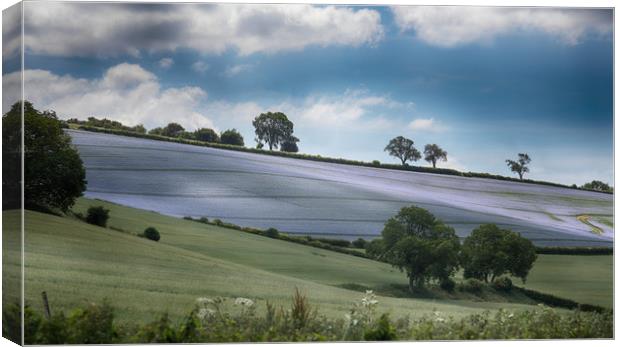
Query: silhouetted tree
x=520, y=165
x=434, y=153
x=231, y=137
x=402, y=148
x=272, y=128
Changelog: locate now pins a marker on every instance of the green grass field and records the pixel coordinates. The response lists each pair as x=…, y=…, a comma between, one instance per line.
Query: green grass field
x=76, y=262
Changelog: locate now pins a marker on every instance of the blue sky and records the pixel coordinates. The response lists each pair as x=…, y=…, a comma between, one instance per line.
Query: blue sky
x=483, y=83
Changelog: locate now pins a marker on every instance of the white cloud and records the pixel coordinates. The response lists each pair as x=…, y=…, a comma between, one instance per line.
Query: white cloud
x=425, y=124
x=449, y=26
x=353, y=109
x=165, y=63
x=237, y=69
x=126, y=92
x=115, y=29
x=200, y=66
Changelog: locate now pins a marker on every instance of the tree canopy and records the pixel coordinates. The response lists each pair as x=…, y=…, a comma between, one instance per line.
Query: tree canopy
x=232, y=137
x=403, y=149
x=489, y=252
x=206, y=135
x=420, y=245
x=599, y=186
x=520, y=165
x=272, y=128
x=290, y=145
x=434, y=153
x=54, y=175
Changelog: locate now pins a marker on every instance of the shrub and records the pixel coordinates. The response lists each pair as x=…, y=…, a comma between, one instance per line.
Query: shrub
x=204, y=220
x=151, y=234
x=376, y=163
x=335, y=242
x=503, y=284
x=271, y=232
x=359, y=243
x=218, y=222
x=471, y=285
x=97, y=215
x=383, y=331
x=447, y=284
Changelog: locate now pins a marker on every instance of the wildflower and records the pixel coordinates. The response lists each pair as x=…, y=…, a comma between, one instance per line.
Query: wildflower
x=244, y=302
x=205, y=312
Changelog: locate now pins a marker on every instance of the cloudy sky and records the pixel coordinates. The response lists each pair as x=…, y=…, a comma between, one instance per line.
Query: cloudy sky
x=483, y=83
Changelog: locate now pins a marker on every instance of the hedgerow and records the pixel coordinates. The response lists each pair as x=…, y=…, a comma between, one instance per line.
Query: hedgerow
x=237, y=320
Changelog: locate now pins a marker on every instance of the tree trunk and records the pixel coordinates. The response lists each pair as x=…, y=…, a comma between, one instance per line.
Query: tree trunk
x=404, y=161
x=411, y=286
x=521, y=176
x=434, y=163
x=270, y=146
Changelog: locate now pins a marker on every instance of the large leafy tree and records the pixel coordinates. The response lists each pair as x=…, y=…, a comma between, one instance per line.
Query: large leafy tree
x=434, y=153
x=403, y=149
x=519, y=166
x=420, y=245
x=172, y=130
x=272, y=128
x=232, y=137
x=489, y=252
x=206, y=135
x=54, y=175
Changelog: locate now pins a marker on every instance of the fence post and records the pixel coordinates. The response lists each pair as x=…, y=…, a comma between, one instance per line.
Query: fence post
x=46, y=305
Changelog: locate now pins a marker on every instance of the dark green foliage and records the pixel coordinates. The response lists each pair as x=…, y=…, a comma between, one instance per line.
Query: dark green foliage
x=489, y=252
x=273, y=128
x=375, y=249
x=232, y=137
x=153, y=136
x=108, y=124
x=290, y=145
x=271, y=232
x=151, y=234
x=520, y=165
x=335, y=242
x=382, y=331
x=359, y=243
x=575, y=250
x=376, y=163
x=598, y=186
x=97, y=215
x=503, y=284
x=403, y=149
x=12, y=322
x=53, y=171
x=206, y=135
x=434, y=153
x=170, y=130
x=421, y=246
x=471, y=285
x=447, y=284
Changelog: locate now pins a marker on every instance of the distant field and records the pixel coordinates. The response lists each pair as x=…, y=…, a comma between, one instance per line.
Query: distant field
x=326, y=199
x=75, y=262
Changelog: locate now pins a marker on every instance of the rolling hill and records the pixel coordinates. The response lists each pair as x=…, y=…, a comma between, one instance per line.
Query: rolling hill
x=317, y=198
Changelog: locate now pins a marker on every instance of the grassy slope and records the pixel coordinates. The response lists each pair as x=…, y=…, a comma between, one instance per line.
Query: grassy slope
x=585, y=279
x=75, y=262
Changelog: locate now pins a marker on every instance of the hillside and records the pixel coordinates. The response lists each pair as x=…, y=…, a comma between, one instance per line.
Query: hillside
x=307, y=197
x=76, y=262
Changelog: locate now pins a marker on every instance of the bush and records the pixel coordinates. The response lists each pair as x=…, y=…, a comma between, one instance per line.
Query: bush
x=376, y=163
x=335, y=242
x=97, y=215
x=271, y=232
x=359, y=243
x=218, y=222
x=471, y=285
x=503, y=284
x=383, y=331
x=448, y=285
x=151, y=234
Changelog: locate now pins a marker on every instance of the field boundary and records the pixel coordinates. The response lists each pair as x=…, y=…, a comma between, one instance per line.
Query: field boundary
x=319, y=158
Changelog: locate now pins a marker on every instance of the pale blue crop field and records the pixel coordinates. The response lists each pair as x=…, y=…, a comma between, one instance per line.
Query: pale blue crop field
x=308, y=197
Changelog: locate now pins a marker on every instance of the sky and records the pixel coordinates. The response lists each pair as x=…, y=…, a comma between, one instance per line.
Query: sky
x=484, y=83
